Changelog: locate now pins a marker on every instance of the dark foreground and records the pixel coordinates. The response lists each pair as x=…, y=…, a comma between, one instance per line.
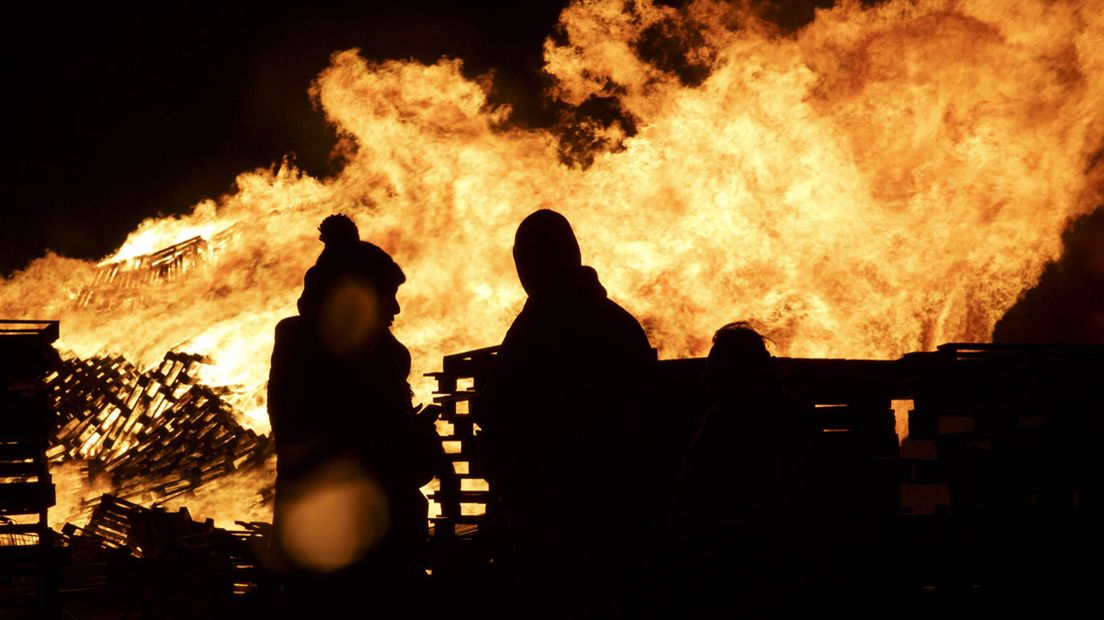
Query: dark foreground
x=989, y=506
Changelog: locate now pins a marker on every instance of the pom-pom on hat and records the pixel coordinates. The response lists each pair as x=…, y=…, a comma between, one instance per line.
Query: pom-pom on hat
x=338, y=230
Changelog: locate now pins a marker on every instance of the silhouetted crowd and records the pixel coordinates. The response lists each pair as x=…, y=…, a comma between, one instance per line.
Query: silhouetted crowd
x=605, y=517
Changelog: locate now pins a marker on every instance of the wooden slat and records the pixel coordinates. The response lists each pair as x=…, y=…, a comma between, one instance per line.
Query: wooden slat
x=26, y=497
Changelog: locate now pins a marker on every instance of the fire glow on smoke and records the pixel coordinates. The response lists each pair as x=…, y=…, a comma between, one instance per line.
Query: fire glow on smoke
x=882, y=181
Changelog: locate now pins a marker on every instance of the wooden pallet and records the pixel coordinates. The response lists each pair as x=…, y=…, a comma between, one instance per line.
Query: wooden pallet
x=26, y=489
x=157, y=434
x=131, y=278
x=464, y=494
x=158, y=536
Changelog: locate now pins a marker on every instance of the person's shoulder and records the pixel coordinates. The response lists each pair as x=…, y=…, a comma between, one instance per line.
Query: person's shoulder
x=622, y=319
x=524, y=324
x=290, y=327
x=622, y=313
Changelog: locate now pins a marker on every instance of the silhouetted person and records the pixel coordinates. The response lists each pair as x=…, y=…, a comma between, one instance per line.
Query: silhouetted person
x=563, y=417
x=349, y=519
x=743, y=514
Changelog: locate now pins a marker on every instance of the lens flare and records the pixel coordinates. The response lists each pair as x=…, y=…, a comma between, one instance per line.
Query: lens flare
x=351, y=318
x=332, y=519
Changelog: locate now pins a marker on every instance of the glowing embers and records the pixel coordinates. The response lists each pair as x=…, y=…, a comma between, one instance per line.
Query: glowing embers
x=332, y=519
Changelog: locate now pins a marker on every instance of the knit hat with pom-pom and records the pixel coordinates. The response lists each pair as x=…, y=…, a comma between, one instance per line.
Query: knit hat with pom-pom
x=346, y=254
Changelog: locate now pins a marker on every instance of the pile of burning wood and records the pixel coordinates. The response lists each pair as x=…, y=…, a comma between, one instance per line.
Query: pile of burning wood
x=126, y=277
x=156, y=434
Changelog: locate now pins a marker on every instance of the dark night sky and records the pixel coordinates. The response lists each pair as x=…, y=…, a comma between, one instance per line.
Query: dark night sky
x=120, y=113
x=125, y=110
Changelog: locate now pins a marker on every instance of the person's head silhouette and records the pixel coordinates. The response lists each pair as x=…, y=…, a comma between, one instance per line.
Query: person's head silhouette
x=739, y=364
x=546, y=253
x=351, y=290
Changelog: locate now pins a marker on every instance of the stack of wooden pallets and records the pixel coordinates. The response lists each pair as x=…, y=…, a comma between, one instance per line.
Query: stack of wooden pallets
x=157, y=434
x=1002, y=427
x=465, y=539
x=26, y=490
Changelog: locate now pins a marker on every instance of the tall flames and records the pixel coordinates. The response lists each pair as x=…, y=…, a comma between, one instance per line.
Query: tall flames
x=884, y=180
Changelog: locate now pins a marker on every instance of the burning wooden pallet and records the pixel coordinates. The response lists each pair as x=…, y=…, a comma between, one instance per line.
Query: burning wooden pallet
x=163, y=265
x=158, y=266
x=157, y=434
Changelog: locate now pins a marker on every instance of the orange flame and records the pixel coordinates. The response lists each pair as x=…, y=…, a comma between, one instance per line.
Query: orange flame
x=884, y=180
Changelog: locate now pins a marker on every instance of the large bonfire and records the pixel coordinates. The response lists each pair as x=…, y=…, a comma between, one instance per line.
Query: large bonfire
x=881, y=181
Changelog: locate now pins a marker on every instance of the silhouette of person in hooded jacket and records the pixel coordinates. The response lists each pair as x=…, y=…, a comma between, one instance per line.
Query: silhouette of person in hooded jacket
x=744, y=497
x=562, y=424
x=351, y=457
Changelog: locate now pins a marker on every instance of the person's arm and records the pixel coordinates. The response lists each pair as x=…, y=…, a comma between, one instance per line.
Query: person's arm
x=286, y=394
x=279, y=382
